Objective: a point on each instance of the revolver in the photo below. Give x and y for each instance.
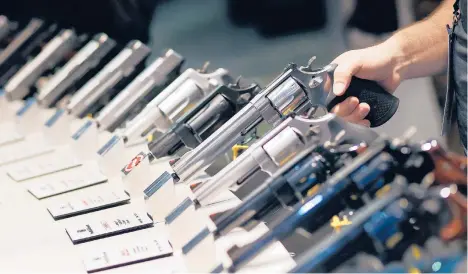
(279, 146)
(291, 184)
(288, 186)
(352, 186)
(294, 91)
(26, 43)
(83, 63)
(385, 227)
(103, 85)
(142, 89)
(204, 119)
(174, 101)
(56, 50)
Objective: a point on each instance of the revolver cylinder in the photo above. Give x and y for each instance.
(178, 98)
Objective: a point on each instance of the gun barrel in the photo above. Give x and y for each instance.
(20, 41)
(152, 116)
(156, 74)
(118, 68)
(268, 154)
(55, 50)
(309, 210)
(330, 246)
(231, 133)
(195, 126)
(85, 59)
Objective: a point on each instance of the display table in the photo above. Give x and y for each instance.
(32, 241)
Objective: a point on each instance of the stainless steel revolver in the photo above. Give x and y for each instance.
(182, 95)
(81, 64)
(120, 68)
(19, 86)
(142, 89)
(282, 144)
(27, 43)
(296, 90)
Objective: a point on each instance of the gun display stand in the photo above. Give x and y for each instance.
(46, 246)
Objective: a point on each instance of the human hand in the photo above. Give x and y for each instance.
(377, 63)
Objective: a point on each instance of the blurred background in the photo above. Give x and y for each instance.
(258, 38)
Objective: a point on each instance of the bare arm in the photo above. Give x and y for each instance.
(415, 51)
(423, 45)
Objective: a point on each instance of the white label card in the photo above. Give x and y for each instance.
(80, 178)
(22, 150)
(88, 203)
(127, 254)
(108, 227)
(50, 165)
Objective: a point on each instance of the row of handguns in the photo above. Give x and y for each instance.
(312, 164)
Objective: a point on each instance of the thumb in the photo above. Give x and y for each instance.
(343, 75)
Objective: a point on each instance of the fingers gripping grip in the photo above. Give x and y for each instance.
(383, 105)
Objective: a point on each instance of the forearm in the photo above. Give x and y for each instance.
(421, 49)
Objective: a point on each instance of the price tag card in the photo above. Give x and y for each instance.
(76, 179)
(127, 254)
(10, 136)
(55, 163)
(89, 203)
(22, 150)
(107, 227)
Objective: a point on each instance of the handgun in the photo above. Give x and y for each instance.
(204, 119)
(288, 186)
(26, 43)
(140, 91)
(279, 146)
(351, 186)
(291, 184)
(295, 90)
(276, 149)
(101, 86)
(75, 70)
(174, 101)
(21, 83)
(386, 227)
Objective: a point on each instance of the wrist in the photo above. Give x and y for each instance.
(400, 60)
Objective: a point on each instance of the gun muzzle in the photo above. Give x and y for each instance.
(122, 66)
(84, 60)
(24, 46)
(155, 75)
(173, 102)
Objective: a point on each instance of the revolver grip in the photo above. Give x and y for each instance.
(383, 105)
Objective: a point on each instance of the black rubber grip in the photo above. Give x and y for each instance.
(383, 105)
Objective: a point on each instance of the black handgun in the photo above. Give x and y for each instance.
(205, 118)
(291, 184)
(350, 187)
(386, 227)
